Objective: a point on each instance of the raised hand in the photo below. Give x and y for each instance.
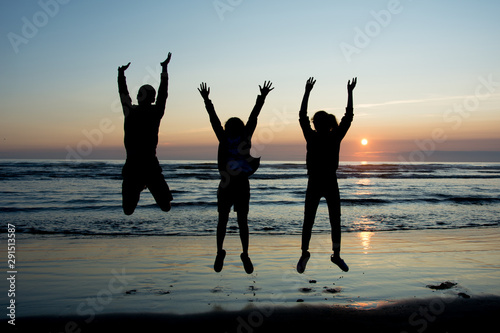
(122, 69)
(266, 89)
(351, 85)
(204, 90)
(310, 84)
(165, 63)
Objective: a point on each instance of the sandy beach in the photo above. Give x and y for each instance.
(413, 281)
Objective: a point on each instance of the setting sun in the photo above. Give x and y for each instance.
(364, 142)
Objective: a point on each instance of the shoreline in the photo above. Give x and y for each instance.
(170, 279)
(232, 231)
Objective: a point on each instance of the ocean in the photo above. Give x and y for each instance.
(83, 199)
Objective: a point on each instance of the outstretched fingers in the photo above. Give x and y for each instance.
(352, 84)
(203, 87)
(267, 88)
(310, 83)
(204, 90)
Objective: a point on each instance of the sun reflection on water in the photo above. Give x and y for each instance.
(368, 305)
(363, 184)
(365, 237)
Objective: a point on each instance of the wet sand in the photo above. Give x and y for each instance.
(423, 315)
(432, 281)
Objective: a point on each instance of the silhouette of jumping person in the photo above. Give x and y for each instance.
(235, 165)
(322, 160)
(142, 169)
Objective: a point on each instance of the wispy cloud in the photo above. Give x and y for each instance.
(415, 101)
(408, 101)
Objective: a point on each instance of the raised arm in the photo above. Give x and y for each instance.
(305, 100)
(345, 123)
(305, 124)
(123, 91)
(350, 88)
(214, 119)
(161, 99)
(259, 103)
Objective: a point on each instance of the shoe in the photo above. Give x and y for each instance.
(339, 262)
(247, 263)
(301, 265)
(219, 261)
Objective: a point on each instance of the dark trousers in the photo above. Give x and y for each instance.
(318, 187)
(141, 174)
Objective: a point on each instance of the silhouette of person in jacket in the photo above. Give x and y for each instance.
(322, 160)
(142, 169)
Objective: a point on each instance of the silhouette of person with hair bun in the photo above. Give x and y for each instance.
(142, 169)
(322, 160)
(235, 165)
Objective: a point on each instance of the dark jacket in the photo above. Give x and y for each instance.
(142, 122)
(323, 149)
(233, 157)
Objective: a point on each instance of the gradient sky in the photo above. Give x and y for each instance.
(428, 75)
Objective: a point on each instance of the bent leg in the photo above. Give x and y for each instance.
(161, 192)
(131, 192)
